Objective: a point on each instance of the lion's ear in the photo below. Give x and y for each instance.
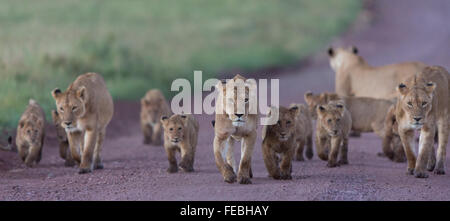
(430, 87)
(354, 50)
(82, 94)
(21, 124)
(402, 89)
(164, 120)
(308, 97)
(330, 52)
(340, 108)
(184, 119)
(56, 93)
(321, 110)
(294, 110)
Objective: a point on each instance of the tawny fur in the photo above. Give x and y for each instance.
(86, 108)
(423, 104)
(31, 134)
(180, 135)
(355, 77)
(64, 150)
(392, 144)
(303, 133)
(332, 130)
(281, 139)
(229, 128)
(153, 107)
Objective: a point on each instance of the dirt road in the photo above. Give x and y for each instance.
(401, 30)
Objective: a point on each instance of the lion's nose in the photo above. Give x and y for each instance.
(283, 134)
(68, 123)
(239, 115)
(417, 118)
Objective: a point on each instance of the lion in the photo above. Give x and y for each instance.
(85, 108)
(64, 150)
(234, 125)
(180, 134)
(332, 130)
(368, 115)
(303, 125)
(355, 77)
(392, 144)
(31, 134)
(280, 138)
(423, 104)
(8, 146)
(153, 107)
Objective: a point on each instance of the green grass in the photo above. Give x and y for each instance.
(137, 45)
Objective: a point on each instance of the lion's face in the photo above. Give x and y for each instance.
(152, 108)
(340, 57)
(71, 105)
(416, 102)
(331, 117)
(174, 128)
(285, 126)
(31, 130)
(314, 101)
(60, 132)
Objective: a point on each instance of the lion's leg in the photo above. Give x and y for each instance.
(343, 158)
(442, 146)
(431, 159)
(156, 136)
(335, 146)
(270, 161)
(64, 146)
(225, 169)
(173, 168)
(23, 151)
(309, 147)
(147, 131)
(407, 138)
(63, 150)
(230, 154)
(32, 156)
(426, 142)
(187, 158)
(39, 155)
(98, 148)
(321, 147)
(386, 144)
(247, 146)
(75, 143)
(299, 150)
(286, 164)
(90, 137)
(397, 147)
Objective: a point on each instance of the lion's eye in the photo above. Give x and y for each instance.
(288, 122)
(179, 128)
(329, 120)
(74, 108)
(61, 109)
(28, 131)
(171, 129)
(409, 104)
(339, 119)
(424, 104)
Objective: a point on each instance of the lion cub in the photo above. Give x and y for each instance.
(303, 132)
(180, 134)
(31, 134)
(280, 138)
(64, 150)
(153, 107)
(333, 127)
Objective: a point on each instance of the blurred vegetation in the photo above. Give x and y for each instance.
(137, 45)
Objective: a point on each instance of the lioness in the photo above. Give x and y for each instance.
(180, 134)
(280, 138)
(355, 77)
(64, 150)
(303, 132)
(332, 130)
(8, 146)
(153, 107)
(423, 104)
(85, 108)
(31, 133)
(230, 127)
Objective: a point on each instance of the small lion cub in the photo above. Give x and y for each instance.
(153, 107)
(332, 129)
(64, 150)
(31, 134)
(180, 134)
(303, 132)
(280, 139)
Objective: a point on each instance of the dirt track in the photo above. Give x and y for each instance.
(401, 30)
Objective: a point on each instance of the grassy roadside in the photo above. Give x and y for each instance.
(144, 44)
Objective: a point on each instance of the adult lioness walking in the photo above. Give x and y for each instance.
(423, 104)
(233, 127)
(86, 107)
